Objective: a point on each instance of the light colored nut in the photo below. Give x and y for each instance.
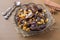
(29, 11)
(36, 12)
(25, 22)
(39, 22)
(22, 15)
(25, 12)
(28, 29)
(24, 28)
(21, 10)
(42, 20)
(44, 11)
(46, 20)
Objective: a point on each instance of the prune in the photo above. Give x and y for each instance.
(29, 25)
(34, 16)
(27, 19)
(34, 22)
(32, 27)
(42, 26)
(39, 10)
(22, 22)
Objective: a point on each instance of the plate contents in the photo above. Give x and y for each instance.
(31, 17)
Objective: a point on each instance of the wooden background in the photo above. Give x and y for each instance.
(8, 30)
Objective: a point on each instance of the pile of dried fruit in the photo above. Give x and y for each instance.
(31, 17)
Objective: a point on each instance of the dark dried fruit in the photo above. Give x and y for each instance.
(29, 25)
(39, 10)
(42, 26)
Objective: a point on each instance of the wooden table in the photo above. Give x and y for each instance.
(8, 30)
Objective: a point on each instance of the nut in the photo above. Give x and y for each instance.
(24, 28)
(21, 10)
(28, 29)
(42, 20)
(36, 12)
(25, 22)
(22, 16)
(44, 11)
(46, 20)
(39, 22)
(29, 11)
(25, 12)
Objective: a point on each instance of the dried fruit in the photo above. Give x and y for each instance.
(42, 26)
(32, 27)
(40, 10)
(29, 25)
